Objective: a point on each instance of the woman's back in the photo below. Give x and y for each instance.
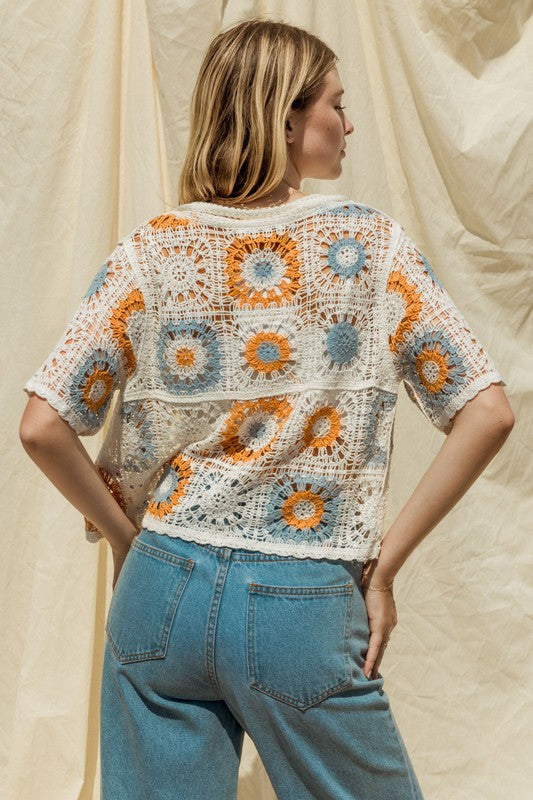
(258, 354)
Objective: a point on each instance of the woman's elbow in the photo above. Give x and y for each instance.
(491, 408)
(507, 420)
(500, 409)
(30, 434)
(38, 423)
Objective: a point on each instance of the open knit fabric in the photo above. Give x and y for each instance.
(256, 354)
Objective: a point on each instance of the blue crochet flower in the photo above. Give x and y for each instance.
(139, 445)
(349, 209)
(346, 257)
(189, 356)
(379, 410)
(168, 484)
(92, 387)
(342, 342)
(98, 281)
(303, 509)
(435, 369)
(429, 269)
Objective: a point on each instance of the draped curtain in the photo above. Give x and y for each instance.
(95, 102)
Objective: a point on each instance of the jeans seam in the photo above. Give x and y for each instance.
(416, 795)
(211, 627)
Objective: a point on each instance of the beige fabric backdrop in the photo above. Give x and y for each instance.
(95, 121)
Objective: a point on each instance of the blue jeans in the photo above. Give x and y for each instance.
(204, 643)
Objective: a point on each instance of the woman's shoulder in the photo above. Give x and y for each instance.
(360, 208)
(363, 215)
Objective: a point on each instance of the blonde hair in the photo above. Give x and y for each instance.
(251, 76)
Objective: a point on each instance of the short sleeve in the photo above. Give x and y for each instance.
(435, 352)
(97, 352)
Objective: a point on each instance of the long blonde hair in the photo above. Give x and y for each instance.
(251, 76)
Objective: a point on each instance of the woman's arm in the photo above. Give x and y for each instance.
(478, 431)
(56, 449)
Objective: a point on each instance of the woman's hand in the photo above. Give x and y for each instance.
(382, 617)
(120, 551)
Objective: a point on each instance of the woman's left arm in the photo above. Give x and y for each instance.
(58, 452)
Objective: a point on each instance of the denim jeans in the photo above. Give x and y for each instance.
(204, 643)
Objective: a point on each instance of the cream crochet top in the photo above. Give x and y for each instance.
(253, 357)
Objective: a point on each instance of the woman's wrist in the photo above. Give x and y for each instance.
(120, 541)
(386, 588)
(373, 576)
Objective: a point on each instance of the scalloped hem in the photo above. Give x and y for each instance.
(354, 553)
(462, 398)
(65, 412)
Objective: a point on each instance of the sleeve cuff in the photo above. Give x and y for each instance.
(467, 393)
(63, 409)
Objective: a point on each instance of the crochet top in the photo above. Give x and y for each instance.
(253, 357)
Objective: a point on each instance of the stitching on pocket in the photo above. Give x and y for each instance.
(162, 554)
(254, 592)
(126, 653)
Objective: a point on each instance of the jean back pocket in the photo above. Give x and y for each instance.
(144, 602)
(298, 641)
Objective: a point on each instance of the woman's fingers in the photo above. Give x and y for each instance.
(376, 649)
(382, 617)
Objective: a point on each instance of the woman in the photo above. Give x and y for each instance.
(257, 336)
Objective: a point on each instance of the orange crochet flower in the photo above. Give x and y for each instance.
(168, 221)
(314, 507)
(253, 427)
(397, 282)
(267, 351)
(119, 322)
(263, 270)
(172, 486)
(322, 428)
